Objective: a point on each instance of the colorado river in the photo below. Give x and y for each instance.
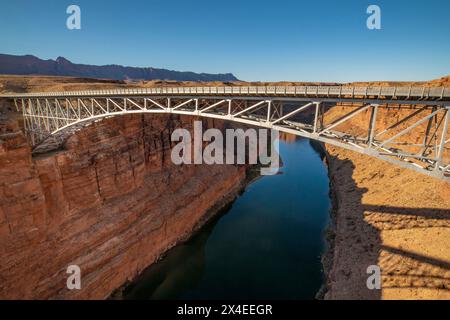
(267, 245)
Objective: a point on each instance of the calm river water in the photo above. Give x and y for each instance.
(267, 245)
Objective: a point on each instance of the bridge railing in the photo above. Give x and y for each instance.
(412, 92)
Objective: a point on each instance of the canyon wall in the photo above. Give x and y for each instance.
(111, 202)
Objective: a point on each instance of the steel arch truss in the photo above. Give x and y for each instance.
(416, 138)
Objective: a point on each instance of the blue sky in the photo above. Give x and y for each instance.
(256, 40)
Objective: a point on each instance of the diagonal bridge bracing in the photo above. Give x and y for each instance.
(411, 132)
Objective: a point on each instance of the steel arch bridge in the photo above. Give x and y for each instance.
(49, 118)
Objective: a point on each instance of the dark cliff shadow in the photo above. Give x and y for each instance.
(356, 242)
(168, 278)
(352, 244)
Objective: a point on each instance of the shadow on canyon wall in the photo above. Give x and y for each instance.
(165, 279)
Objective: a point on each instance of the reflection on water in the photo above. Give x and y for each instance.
(266, 246)
(287, 137)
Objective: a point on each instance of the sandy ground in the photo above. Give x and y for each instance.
(391, 217)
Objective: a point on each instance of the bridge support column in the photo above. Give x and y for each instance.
(373, 121)
(269, 105)
(426, 141)
(443, 138)
(316, 116)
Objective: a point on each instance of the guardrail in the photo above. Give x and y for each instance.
(435, 93)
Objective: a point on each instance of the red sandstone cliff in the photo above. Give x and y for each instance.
(112, 202)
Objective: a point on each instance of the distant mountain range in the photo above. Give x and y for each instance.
(31, 65)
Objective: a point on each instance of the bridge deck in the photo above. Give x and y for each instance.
(333, 92)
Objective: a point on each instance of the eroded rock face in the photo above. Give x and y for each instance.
(111, 203)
